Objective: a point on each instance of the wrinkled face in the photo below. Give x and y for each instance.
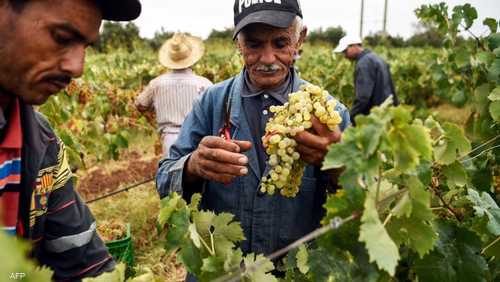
(42, 46)
(268, 53)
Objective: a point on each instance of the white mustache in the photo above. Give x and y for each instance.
(268, 68)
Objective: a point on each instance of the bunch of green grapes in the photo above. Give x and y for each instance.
(293, 117)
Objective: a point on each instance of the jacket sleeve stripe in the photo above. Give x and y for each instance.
(66, 243)
(62, 207)
(93, 266)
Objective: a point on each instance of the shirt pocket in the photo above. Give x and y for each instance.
(297, 216)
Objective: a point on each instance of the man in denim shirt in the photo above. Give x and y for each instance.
(228, 173)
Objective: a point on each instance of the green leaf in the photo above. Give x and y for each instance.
(168, 205)
(302, 257)
(14, 258)
(221, 227)
(261, 274)
(456, 176)
(381, 248)
(455, 258)
(327, 265)
(403, 206)
(190, 257)
(484, 205)
(494, 41)
(495, 94)
(481, 101)
(193, 234)
(495, 110)
(178, 230)
(452, 146)
(491, 23)
(462, 58)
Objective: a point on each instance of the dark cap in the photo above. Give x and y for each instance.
(120, 10)
(278, 13)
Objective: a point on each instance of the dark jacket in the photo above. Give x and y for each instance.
(373, 84)
(51, 213)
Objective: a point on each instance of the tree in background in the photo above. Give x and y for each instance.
(116, 35)
(159, 38)
(330, 35)
(225, 34)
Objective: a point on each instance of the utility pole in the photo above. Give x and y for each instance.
(361, 20)
(384, 29)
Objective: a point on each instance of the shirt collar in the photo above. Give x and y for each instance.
(183, 71)
(13, 138)
(280, 92)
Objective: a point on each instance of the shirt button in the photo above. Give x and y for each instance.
(266, 96)
(265, 112)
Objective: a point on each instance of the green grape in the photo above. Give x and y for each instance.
(290, 119)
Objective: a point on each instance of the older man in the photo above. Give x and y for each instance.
(228, 172)
(42, 47)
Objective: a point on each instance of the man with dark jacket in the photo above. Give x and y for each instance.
(372, 77)
(42, 47)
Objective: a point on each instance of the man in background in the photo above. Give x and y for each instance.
(372, 77)
(42, 47)
(172, 95)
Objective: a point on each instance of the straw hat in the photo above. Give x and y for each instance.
(181, 51)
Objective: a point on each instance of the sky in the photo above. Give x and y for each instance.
(199, 17)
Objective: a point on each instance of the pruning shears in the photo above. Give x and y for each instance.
(225, 131)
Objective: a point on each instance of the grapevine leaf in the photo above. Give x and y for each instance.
(329, 266)
(462, 58)
(212, 265)
(417, 231)
(178, 230)
(190, 257)
(481, 101)
(453, 145)
(491, 23)
(14, 256)
(193, 234)
(495, 94)
(494, 71)
(455, 258)
(225, 232)
(456, 176)
(233, 260)
(380, 246)
(260, 273)
(495, 110)
(408, 143)
(484, 205)
(302, 257)
(195, 202)
(168, 205)
(493, 250)
(403, 206)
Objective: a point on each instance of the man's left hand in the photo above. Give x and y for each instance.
(313, 145)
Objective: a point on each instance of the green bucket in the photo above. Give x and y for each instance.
(122, 249)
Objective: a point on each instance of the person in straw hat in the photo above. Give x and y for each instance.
(172, 94)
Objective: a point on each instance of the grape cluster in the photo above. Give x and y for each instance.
(287, 168)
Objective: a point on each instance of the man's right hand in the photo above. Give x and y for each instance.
(217, 159)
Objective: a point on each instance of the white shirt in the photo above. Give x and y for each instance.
(172, 96)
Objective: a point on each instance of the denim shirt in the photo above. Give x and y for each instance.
(268, 222)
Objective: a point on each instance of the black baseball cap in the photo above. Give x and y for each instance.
(278, 13)
(120, 10)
